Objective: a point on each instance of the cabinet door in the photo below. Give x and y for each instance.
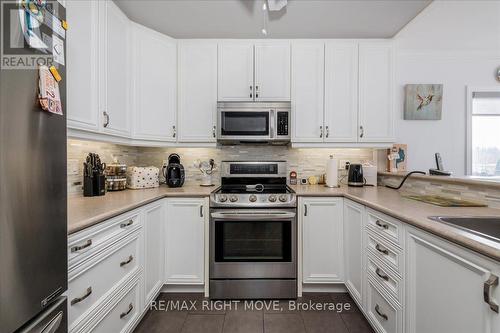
(272, 71)
(307, 91)
(322, 250)
(444, 287)
(197, 91)
(235, 67)
(376, 96)
(353, 249)
(154, 250)
(155, 85)
(341, 91)
(115, 70)
(82, 43)
(185, 241)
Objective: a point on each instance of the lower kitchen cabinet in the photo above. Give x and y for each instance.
(321, 220)
(185, 240)
(353, 249)
(445, 286)
(154, 254)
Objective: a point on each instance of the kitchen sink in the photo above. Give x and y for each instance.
(484, 226)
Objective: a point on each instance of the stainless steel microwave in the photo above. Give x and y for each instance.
(253, 122)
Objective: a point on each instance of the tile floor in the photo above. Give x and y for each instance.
(238, 319)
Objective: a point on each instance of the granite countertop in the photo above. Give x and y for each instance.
(464, 180)
(84, 212)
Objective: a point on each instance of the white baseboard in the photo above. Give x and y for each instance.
(324, 288)
(182, 288)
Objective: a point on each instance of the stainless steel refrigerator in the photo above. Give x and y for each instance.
(33, 208)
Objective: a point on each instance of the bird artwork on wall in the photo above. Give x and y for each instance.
(423, 101)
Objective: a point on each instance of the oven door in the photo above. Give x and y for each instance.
(245, 125)
(253, 244)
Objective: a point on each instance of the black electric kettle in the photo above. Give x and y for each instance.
(174, 172)
(355, 176)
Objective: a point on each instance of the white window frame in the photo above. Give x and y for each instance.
(470, 93)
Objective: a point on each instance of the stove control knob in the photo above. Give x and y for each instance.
(272, 198)
(252, 198)
(223, 198)
(283, 198)
(233, 198)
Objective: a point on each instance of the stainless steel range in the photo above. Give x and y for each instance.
(253, 233)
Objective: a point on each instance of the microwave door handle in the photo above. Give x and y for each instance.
(272, 123)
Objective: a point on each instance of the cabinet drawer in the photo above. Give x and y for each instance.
(384, 314)
(83, 244)
(385, 225)
(385, 277)
(91, 281)
(123, 315)
(384, 251)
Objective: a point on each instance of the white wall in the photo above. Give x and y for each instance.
(456, 43)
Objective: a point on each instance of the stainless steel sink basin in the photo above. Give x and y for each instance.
(484, 226)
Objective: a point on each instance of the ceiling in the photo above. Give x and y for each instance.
(299, 19)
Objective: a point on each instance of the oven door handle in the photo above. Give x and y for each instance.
(255, 216)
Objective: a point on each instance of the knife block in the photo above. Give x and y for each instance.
(94, 186)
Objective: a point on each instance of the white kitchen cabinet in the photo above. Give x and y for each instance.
(197, 83)
(341, 91)
(272, 71)
(81, 63)
(376, 92)
(322, 237)
(185, 240)
(235, 71)
(444, 287)
(307, 91)
(154, 85)
(153, 217)
(114, 67)
(353, 249)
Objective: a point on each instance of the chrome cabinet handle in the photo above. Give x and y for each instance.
(381, 250)
(361, 131)
(126, 313)
(81, 298)
(127, 224)
(381, 225)
(382, 315)
(174, 134)
(321, 131)
(382, 276)
(256, 91)
(305, 209)
(126, 262)
(106, 117)
(214, 129)
(201, 211)
(327, 131)
(81, 247)
(251, 89)
(491, 282)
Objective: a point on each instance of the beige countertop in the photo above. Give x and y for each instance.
(464, 180)
(84, 212)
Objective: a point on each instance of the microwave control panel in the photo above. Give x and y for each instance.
(282, 123)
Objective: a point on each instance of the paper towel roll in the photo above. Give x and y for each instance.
(332, 172)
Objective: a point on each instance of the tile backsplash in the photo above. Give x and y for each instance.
(305, 161)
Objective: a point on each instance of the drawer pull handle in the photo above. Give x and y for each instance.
(381, 250)
(381, 225)
(126, 262)
(491, 282)
(81, 247)
(382, 276)
(126, 313)
(126, 224)
(79, 299)
(382, 315)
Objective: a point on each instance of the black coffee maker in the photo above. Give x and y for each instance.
(174, 174)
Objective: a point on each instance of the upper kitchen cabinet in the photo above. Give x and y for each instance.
(154, 85)
(341, 91)
(197, 96)
(253, 72)
(272, 71)
(376, 92)
(235, 67)
(82, 90)
(307, 91)
(114, 69)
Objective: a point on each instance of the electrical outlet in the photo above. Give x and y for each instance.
(73, 167)
(343, 164)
